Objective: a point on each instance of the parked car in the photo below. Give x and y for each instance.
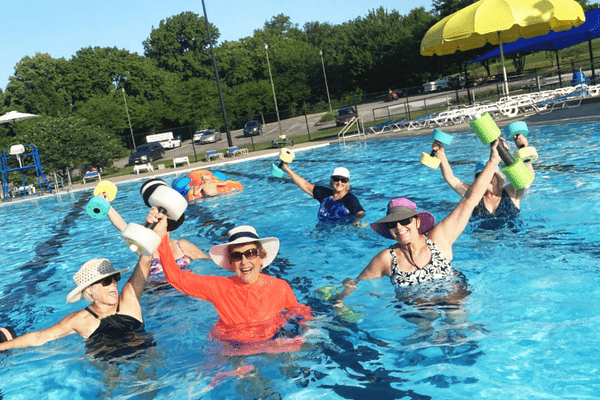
(146, 153)
(252, 128)
(171, 143)
(207, 136)
(344, 115)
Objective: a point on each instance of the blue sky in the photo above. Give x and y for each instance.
(61, 28)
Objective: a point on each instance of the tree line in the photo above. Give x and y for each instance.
(82, 100)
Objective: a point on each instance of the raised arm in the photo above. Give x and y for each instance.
(520, 141)
(456, 184)
(192, 251)
(116, 219)
(446, 232)
(302, 183)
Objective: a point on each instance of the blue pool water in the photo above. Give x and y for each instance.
(527, 330)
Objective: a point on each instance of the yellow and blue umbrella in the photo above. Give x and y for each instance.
(497, 22)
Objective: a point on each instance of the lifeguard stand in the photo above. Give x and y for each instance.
(23, 154)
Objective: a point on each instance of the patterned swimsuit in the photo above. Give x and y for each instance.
(437, 268)
(506, 208)
(156, 270)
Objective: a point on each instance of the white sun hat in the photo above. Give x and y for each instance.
(240, 235)
(91, 272)
(341, 171)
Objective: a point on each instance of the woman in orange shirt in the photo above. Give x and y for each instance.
(252, 306)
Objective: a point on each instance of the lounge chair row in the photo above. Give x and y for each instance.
(508, 107)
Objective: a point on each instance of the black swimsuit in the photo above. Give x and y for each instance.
(118, 335)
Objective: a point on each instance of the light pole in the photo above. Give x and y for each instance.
(212, 53)
(326, 87)
(273, 87)
(128, 119)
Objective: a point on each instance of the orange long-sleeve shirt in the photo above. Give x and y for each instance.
(247, 313)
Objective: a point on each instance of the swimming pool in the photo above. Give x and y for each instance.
(528, 328)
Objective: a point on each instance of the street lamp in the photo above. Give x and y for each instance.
(326, 87)
(273, 87)
(212, 53)
(128, 119)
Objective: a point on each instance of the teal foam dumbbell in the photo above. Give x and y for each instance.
(430, 160)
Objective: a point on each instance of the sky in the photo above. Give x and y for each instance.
(61, 28)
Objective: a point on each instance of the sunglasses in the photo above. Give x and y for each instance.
(403, 222)
(109, 280)
(251, 254)
(340, 179)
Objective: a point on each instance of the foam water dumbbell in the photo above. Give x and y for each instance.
(526, 153)
(430, 160)
(156, 193)
(516, 171)
(99, 205)
(285, 156)
(327, 293)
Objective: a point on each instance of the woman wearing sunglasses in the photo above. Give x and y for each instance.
(337, 203)
(252, 306)
(111, 318)
(423, 250)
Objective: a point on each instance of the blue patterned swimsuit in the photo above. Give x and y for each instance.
(506, 208)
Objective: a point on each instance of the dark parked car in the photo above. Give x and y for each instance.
(207, 136)
(252, 128)
(344, 115)
(146, 153)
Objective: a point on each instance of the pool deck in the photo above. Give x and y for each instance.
(589, 110)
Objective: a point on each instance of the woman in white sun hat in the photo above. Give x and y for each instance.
(109, 316)
(337, 203)
(252, 306)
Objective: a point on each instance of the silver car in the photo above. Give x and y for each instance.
(207, 136)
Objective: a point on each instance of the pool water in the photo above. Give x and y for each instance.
(527, 329)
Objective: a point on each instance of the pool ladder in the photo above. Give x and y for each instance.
(360, 130)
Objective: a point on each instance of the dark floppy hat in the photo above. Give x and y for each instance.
(399, 209)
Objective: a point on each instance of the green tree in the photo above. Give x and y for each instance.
(444, 8)
(39, 85)
(180, 44)
(71, 142)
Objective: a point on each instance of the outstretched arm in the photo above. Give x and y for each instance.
(302, 183)
(64, 327)
(378, 267)
(456, 184)
(446, 232)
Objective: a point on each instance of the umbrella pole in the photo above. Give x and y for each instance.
(503, 67)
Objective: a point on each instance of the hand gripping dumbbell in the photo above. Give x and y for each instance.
(516, 171)
(156, 193)
(99, 205)
(430, 160)
(526, 153)
(285, 156)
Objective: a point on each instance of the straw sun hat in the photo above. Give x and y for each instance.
(89, 273)
(399, 209)
(240, 235)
